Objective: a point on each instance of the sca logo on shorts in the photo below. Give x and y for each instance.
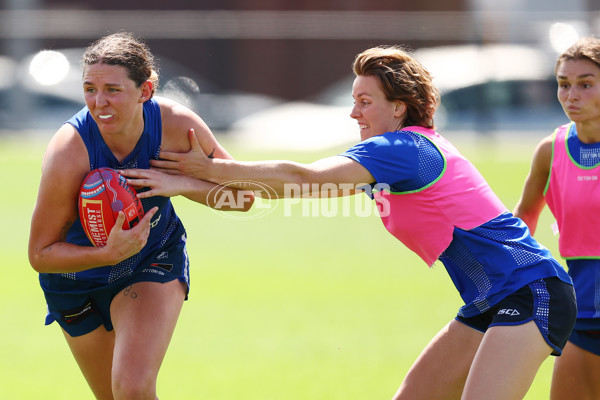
(509, 311)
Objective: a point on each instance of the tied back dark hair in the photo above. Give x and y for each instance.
(128, 51)
(403, 79)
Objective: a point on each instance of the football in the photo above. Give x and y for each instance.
(103, 193)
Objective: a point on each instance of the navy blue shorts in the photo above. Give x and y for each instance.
(549, 302)
(83, 310)
(587, 340)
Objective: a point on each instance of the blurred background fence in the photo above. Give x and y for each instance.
(287, 63)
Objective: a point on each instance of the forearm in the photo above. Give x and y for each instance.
(278, 178)
(63, 257)
(272, 177)
(286, 179)
(216, 196)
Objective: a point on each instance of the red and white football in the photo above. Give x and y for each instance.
(104, 192)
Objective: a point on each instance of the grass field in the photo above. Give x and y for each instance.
(281, 307)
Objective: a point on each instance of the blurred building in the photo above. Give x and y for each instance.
(290, 50)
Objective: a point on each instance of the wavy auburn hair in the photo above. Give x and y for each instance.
(403, 79)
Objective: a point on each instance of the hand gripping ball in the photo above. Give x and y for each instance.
(104, 192)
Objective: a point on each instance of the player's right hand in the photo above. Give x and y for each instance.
(122, 244)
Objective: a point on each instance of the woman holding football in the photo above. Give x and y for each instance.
(519, 302)
(564, 174)
(118, 304)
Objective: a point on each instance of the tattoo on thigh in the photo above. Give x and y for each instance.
(129, 292)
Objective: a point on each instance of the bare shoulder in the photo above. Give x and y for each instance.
(175, 115)
(542, 156)
(546, 144)
(177, 120)
(170, 109)
(66, 157)
(65, 164)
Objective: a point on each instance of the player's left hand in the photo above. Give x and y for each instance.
(193, 163)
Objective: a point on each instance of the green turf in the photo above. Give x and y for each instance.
(281, 307)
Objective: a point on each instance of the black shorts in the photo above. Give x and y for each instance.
(549, 302)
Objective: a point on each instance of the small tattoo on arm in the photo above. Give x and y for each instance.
(64, 230)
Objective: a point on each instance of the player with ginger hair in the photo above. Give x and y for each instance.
(519, 302)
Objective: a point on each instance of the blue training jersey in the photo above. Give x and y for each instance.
(167, 231)
(485, 263)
